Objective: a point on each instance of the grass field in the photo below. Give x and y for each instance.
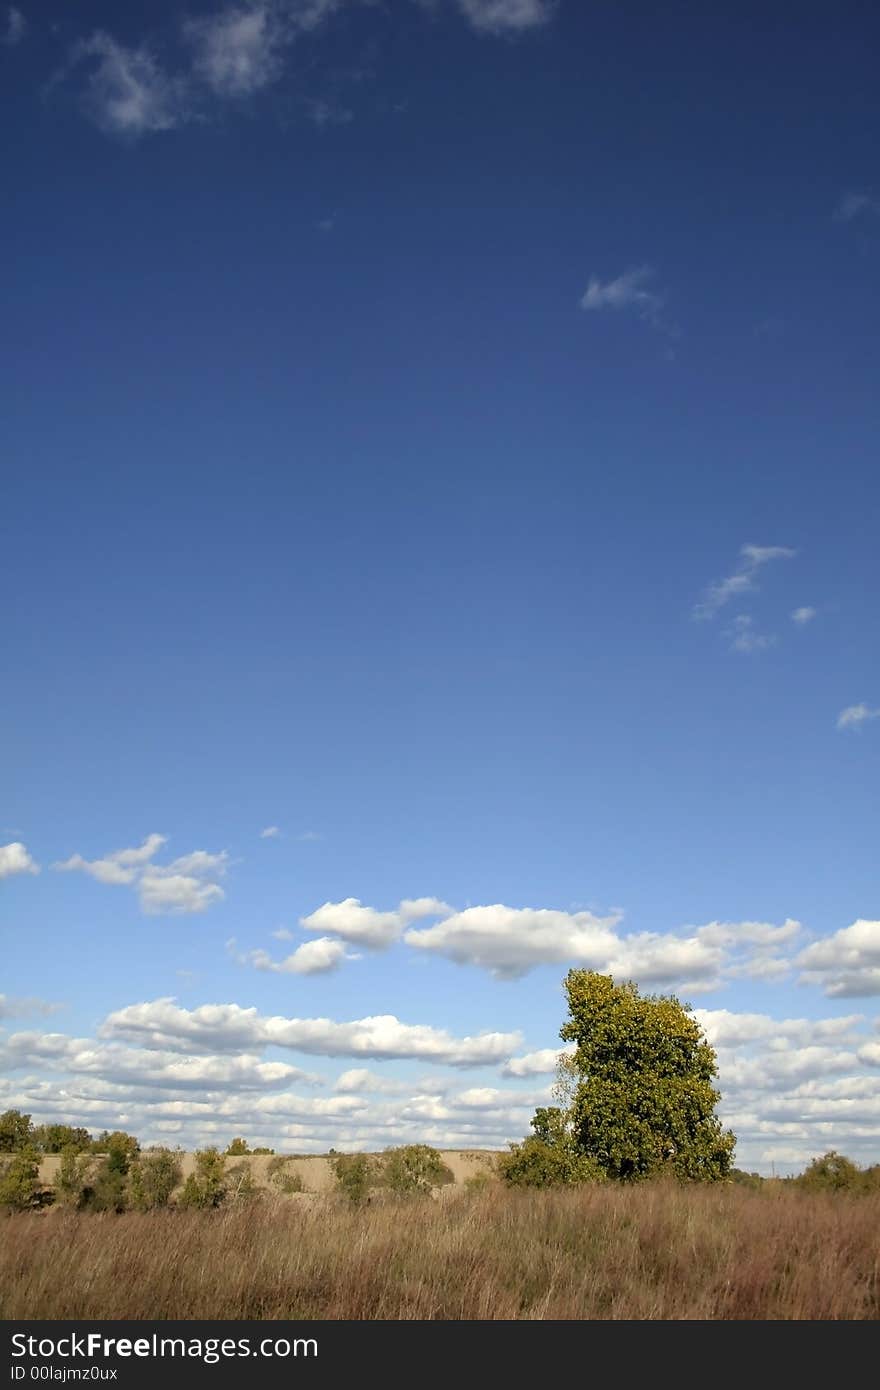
(600, 1252)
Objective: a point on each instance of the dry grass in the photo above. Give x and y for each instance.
(648, 1252)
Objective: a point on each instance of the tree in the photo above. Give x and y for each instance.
(550, 1157)
(644, 1103)
(414, 1169)
(833, 1172)
(20, 1179)
(206, 1184)
(237, 1147)
(54, 1139)
(72, 1179)
(152, 1177)
(354, 1175)
(16, 1131)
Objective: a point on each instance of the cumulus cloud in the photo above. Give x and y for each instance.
(854, 716)
(540, 1063)
(847, 963)
(752, 559)
(311, 958)
(227, 1027)
(508, 942)
(506, 16)
(802, 616)
(365, 926)
(15, 859)
(186, 885)
(16, 26)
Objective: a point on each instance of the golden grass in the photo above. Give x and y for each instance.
(604, 1252)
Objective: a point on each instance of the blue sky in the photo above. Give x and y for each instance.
(444, 434)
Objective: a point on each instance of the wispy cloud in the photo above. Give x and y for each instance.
(127, 91)
(11, 1007)
(324, 112)
(854, 716)
(853, 205)
(186, 885)
(627, 291)
(802, 616)
(506, 16)
(271, 832)
(752, 558)
(744, 638)
(239, 50)
(16, 26)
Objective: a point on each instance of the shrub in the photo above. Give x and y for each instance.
(20, 1180)
(283, 1178)
(355, 1175)
(72, 1179)
(237, 1147)
(240, 1185)
(538, 1163)
(206, 1185)
(152, 1178)
(414, 1170)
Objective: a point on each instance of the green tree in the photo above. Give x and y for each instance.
(206, 1184)
(833, 1172)
(550, 1157)
(72, 1179)
(237, 1147)
(645, 1102)
(16, 1131)
(20, 1180)
(152, 1177)
(54, 1139)
(414, 1169)
(355, 1175)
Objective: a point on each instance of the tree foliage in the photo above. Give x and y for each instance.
(550, 1157)
(152, 1177)
(644, 1103)
(20, 1180)
(206, 1184)
(16, 1131)
(237, 1147)
(355, 1175)
(55, 1139)
(414, 1170)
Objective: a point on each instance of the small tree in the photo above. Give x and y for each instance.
(412, 1171)
(354, 1175)
(550, 1157)
(237, 1147)
(206, 1185)
(16, 1131)
(152, 1177)
(72, 1179)
(20, 1180)
(644, 1101)
(54, 1139)
(833, 1172)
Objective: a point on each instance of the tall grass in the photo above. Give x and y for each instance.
(602, 1252)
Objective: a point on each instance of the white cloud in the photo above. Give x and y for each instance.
(238, 50)
(163, 1024)
(283, 934)
(15, 859)
(270, 833)
(744, 638)
(366, 926)
(626, 292)
(11, 1007)
(311, 958)
(852, 205)
(854, 716)
(751, 559)
(802, 616)
(540, 1063)
(847, 963)
(127, 92)
(506, 16)
(186, 885)
(309, 836)
(16, 26)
